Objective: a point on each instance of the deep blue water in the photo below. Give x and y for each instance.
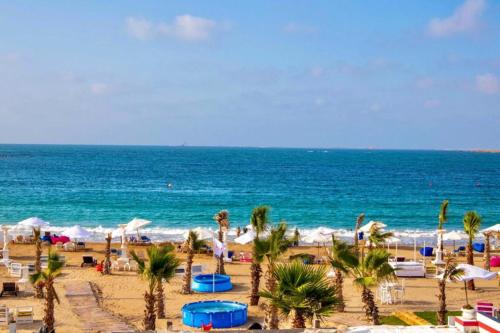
(106, 185)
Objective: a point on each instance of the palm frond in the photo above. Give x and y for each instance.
(443, 214)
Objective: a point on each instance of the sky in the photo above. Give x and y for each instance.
(414, 74)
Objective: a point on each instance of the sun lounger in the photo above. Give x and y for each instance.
(485, 307)
(478, 247)
(426, 251)
(15, 269)
(195, 269)
(88, 261)
(24, 315)
(9, 288)
(408, 269)
(4, 315)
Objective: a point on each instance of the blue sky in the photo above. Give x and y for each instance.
(383, 74)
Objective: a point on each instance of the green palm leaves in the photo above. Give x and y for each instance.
(443, 214)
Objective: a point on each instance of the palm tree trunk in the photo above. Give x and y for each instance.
(371, 308)
(255, 273)
(339, 290)
(470, 261)
(38, 263)
(48, 318)
(271, 320)
(160, 300)
(298, 320)
(441, 314)
(186, 287)
(359, 220)
(149, 311)
(107, 259)
(220, 261)
(487, 252)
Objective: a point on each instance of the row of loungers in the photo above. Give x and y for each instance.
(21, 314)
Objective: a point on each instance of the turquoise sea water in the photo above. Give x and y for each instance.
(107, 185)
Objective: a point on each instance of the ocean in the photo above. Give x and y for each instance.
(107, 185)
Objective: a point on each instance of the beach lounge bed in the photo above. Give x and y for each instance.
(426, 251)
(408, 269)
(24, 315)
(88, 261)
(9, 288)
(4, 315)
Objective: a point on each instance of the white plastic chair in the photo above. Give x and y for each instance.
(24, 315)
(15, 269)
(399, 291)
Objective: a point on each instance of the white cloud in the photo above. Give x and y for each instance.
(99, 88)
(293, 27)
(432, 103)
(184, 27)
(488, 83)
(465, 18)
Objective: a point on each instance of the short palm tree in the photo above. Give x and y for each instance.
(161, 265)
(451, 273)
(222, 219)
(194, 244)
(271, 249)
(472, 222)
(46, 278)
(337, 250)
(367, 273)
(359, 221)
(37, 233)
(302, 292)
(259, 221)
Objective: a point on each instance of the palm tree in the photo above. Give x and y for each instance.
(451, 273)
(47, 278)
(194, 244)
(222, 219)
(443, 217)
(271, 249)
(378, 236)
(161, 264)
(37, 233)
(107, 257)
(359, 221)
(472, 222)
(302, 292)
(339, 247)
(259, 221)
(487, 250)
(367, 273)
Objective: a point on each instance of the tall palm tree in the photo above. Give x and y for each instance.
(487, 250)
(222, 219)
(378, 237)
(302, 292)
(259, 221)
(271, 249)
(451, 273)
(359, 221)
(443, 217)
(161, 264)
(337, 250)
(46, 278)
(367, 273)
(107, 256)
(472, 222)
(37, 233)
(194, 244)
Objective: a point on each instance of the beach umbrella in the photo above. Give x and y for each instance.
(369, 225)
(33, 222)
(493, 228)
(135, 224)
(246, 238)
(203, 233)
(77, 232)
(453, 236)
(317, 236)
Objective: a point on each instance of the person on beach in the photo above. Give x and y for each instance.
(238, 232)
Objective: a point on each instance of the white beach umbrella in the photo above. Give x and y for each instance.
(369, 225)
(33, 222)
(136, 224)
(203, 233)
(493, 228)
(77, 232)
(318, 237)
(453, 236)
(246, 238)
(472, 272)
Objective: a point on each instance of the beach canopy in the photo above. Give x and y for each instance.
(317, 237)
(136, 224)
(367, 227)
(77, 232)
(203, 233)
(453, 235)
(494, 228)
(33, 222)
(246, 238)
(473, 272)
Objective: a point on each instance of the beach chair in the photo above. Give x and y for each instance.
(385, 294)
(4, 315)
(399, 291)
(9, 288)
(69, 247)
(80, 246)
(15, 269)
(460, 251)
(24, 315)
(120, 264)
(245, 257)
(88, 261)
(426, 251)
(478, 247)
(485, 307)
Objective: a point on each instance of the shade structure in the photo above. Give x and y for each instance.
(135, 224)
(471, 272)
(202, 233)
(33, 222)
(493, 228)
(77, 232)
(369, 225)
(453, 235)
(317, 237)
(246, 238)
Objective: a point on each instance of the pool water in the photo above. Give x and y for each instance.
(209, 283)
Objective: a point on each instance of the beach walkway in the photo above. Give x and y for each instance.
(84, 304)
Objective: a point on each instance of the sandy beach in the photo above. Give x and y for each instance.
(121, 293)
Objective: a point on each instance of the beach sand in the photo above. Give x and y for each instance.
(122, 292)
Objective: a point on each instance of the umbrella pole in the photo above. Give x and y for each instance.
(414, 248)
(466, 293)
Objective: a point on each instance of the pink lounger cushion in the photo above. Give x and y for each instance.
(495, 261)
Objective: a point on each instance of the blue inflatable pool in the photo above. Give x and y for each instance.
(222, 314)
(210, 283)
